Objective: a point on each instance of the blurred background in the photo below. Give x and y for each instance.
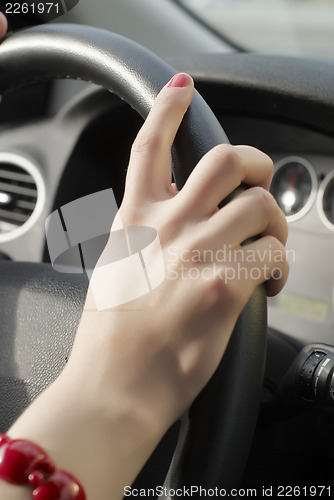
(295, 27)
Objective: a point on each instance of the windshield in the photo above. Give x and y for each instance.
(290, 27)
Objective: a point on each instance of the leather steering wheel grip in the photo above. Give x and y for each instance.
(120, 65)
(215, 441)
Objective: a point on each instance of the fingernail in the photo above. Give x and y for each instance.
(179, 80)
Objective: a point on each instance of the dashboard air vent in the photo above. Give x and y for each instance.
(19, 192)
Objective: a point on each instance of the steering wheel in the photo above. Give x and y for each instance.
(40, 308)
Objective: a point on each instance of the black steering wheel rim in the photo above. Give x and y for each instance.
(214, 445)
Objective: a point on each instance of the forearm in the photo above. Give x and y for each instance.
(103, 447)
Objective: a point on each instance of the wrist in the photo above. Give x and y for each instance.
(82, 434)
(134, 373)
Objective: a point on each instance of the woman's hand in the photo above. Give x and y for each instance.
(163, 347)
(136, 367)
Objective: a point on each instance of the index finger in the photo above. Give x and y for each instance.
(149, 170)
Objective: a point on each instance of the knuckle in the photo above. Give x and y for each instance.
(146, 143)
(277, 251)
(215, 291)
(226, 154)
(259, 156)
(223, 290)
(265, 199)
(272, 212)
(263, 157)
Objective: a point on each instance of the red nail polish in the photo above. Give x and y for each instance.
(179, 80)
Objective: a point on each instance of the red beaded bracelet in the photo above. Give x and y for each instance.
(26, 464)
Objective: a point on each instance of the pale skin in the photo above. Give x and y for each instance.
(150, 358)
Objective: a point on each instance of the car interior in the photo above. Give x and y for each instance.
(75, 93)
